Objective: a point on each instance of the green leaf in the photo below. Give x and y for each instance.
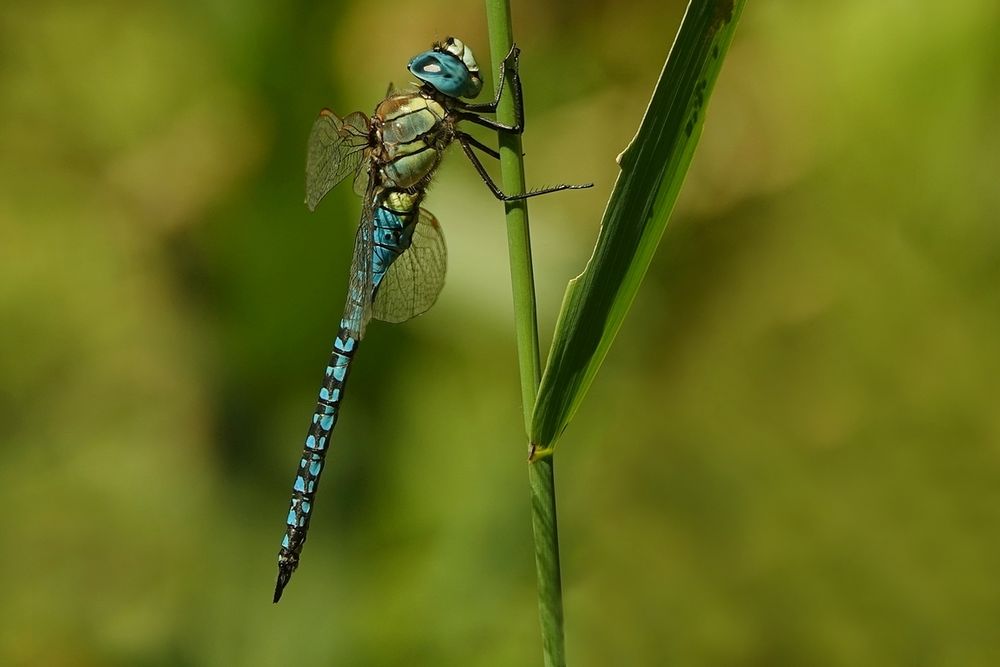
(653, 167)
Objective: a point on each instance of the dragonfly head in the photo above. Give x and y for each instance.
(450, 68)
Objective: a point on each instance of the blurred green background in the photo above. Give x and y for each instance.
(791, 456)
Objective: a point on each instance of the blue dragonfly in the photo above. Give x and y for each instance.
(399, 261)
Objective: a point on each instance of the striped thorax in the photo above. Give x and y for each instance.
(411, 133)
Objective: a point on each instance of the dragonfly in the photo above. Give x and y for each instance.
(399, 261)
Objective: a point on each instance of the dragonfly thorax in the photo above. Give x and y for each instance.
(411, 133)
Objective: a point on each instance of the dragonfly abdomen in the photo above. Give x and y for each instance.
(392, 233)
(314, 455)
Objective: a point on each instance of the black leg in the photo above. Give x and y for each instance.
(470, 112)
(509, 62)
(483, 174)
(462, 136)
(517, 128)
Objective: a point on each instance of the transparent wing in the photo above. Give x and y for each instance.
(336, 149)
(361, 183)
(412, 283)
(358, 311)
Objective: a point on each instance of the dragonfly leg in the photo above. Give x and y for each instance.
(478, 144)
(468, 145)
(470, 112)
(510, 62)
(517, 128)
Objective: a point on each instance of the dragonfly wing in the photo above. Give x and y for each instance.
(361, 183)
(336, 149)
(362, 284)
(412, 283)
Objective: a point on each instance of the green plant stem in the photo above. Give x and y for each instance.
(518, 238)
(546, 530)
(541, 480)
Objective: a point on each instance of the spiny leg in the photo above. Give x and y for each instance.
(467, 146)
(470, 112)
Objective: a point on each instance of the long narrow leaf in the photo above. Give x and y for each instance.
(652, 171)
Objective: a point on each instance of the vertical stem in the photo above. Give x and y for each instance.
(541, 479)
(540, 472)
(518, 237)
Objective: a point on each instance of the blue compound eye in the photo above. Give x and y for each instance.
(446, 73)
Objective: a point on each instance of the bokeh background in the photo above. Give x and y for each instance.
(790, 457)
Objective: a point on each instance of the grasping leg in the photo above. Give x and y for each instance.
(510, 62)
(467, 145)
(470, 112)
